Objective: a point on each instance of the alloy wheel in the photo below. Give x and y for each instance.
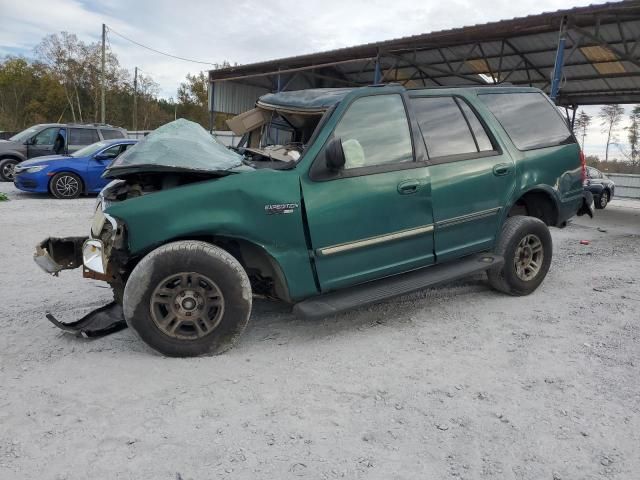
(8, 171)
(528, 258)
(67, 186)
(187, 305)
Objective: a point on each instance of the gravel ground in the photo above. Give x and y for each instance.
(455, 382)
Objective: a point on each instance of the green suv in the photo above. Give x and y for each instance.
(335, 198)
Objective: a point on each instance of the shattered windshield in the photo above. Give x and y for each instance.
(179, 145)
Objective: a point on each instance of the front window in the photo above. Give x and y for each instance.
(375, 131)
(46, 136)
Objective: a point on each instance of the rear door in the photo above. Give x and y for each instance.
(373, 218)
(81, 137)
(471, 177)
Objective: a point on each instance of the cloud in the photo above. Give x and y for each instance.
(246, 31)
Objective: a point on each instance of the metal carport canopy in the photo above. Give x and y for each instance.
(598, 60)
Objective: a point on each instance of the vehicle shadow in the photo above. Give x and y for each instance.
(275, 321)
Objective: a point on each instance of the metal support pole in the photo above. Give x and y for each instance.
(557, 69)
(211, 107)
(377, 73)
(135, 100)
(102, 83)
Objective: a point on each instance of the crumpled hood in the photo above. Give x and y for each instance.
(178, 146)
(42, 160)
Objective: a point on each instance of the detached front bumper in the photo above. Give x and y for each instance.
(56, 254)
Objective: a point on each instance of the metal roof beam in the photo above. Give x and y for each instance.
(603, 43)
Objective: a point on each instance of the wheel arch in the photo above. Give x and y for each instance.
(264, 271)
(11, 156)
(538, 202)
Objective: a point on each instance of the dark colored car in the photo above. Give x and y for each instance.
(51, 139)
(69, 176)
(600, 186)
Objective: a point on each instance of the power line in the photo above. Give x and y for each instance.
(158, 51)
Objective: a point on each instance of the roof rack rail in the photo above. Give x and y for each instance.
(93, 124)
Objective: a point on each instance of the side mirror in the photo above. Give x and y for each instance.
(102, 157)
(334, 155)
(29, 142)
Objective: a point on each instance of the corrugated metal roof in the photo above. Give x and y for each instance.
(600, 48)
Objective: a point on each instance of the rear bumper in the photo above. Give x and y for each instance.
(586, 206)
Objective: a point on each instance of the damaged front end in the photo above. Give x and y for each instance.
(99, 261)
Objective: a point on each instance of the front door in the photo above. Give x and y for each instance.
(373, 218)
(43, 142)
(471, 177)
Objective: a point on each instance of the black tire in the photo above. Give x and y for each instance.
(209, 270)
(6, 169)
(517, 244)
(603, 200)
(65, 185)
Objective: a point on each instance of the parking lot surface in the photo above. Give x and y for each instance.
(453, 382)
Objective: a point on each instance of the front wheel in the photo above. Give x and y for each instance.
(188, 298)
(7, 169)
(525, 244)
(65, 185)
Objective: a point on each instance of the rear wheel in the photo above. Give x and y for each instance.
(525, 244)
(65, 185)
(7, 167)
(603, 200)
(188, 298)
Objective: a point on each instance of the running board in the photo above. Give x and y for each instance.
(389, 287)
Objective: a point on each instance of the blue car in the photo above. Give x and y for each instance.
(69, 176)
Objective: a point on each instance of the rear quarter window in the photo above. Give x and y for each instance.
(530, 120)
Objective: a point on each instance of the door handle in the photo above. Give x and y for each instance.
(408, 186)
(501, 169)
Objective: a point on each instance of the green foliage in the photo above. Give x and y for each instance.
(3, 197)
(633, 134)
(63, 84)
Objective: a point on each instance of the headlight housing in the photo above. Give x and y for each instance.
(35, 168)
(93, 256)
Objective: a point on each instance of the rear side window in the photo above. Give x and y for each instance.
(111, 134)
(530, 120)
(83, 136)
(450, 127)
(375, 131)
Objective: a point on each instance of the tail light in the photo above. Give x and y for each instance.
(583, 164)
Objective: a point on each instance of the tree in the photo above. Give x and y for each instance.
(582, 125)
(633, 131)
(610, 118)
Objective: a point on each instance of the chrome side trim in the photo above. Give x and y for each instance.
(467, 218)
(344, 247)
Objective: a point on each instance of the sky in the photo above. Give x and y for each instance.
(246, 31)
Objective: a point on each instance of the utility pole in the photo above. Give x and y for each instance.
(135, 100)
(104, 39)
